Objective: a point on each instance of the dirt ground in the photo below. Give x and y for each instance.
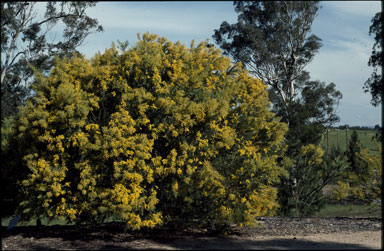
(276, 233)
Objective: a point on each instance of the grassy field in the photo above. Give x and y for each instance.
(346, 210)
(349, 211)
(338, 137)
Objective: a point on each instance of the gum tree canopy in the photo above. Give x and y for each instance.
(272, 39)
(151, 134)
(374, 84)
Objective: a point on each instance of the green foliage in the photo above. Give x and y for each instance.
(310, 173)
(272, 39)
(354, 149)
(10, 158)
(362, 182)
(151, 134)
(308, 115)
(374, 84)
(25, 42)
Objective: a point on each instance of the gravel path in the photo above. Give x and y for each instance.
(274, 226)
(276, 233)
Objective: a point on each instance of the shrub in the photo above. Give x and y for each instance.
(363, 181)
(310, 173)
(152, 134)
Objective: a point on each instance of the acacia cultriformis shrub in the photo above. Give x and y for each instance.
(150, 134)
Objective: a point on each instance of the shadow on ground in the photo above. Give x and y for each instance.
(112, 237)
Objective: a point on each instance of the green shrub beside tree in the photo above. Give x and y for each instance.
(362, 182)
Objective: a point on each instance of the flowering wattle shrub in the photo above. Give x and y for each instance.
(150, 134)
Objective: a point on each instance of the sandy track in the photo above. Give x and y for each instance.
(277, 233)
(338, 241)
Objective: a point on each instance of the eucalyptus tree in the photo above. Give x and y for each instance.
(273, 41)
(374, 84)
(28, 40)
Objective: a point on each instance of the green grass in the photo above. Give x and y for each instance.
(337, 210)
(338, 137)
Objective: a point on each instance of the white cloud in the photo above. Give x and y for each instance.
(343, 28)
(177, 21)
(354, 8)
(180, 17)
(348, 21)
(348, 69)
(142, 19)
(351, 48)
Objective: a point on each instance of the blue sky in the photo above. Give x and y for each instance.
(342, 25)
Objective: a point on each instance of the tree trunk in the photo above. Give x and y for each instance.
(3, 74)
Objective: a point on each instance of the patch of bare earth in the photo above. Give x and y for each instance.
(276, 233)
